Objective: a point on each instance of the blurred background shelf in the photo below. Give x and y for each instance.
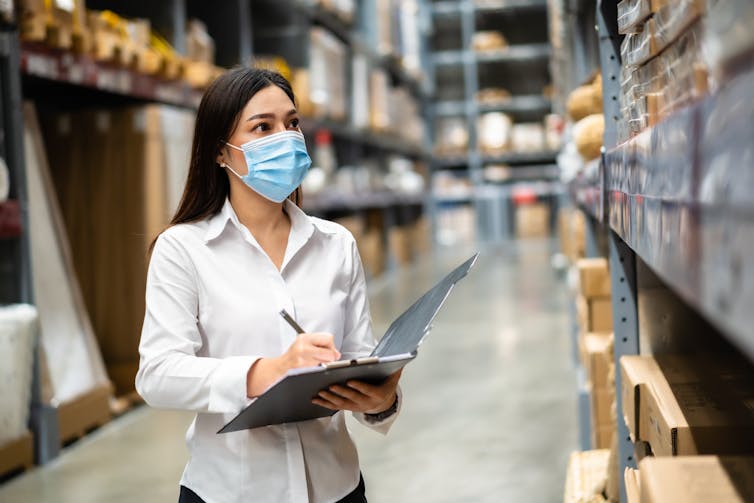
(382, 141)
(516, 53)
(328, 202)
(520, 158)
(65, 67)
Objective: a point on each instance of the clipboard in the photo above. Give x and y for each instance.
(289, 400)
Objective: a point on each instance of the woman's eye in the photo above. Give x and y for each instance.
(294, 123)
(261, 127)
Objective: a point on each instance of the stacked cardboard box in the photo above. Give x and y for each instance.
(598, 360)
(593, 304)
(533, 220)
(688, 405)
(58, 23)
(572, 233)
(696, 479)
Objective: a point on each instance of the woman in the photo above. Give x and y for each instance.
(238, 251)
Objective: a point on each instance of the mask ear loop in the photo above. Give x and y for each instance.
(226, 165)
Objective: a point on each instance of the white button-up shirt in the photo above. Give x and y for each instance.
(212, 309)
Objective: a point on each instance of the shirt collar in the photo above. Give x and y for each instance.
(302, 226)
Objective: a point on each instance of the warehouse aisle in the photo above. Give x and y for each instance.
(489, 415)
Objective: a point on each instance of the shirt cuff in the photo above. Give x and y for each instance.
(227, 392)
(384, 425)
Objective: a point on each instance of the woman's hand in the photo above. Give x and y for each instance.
(308, 350)
(359, 396)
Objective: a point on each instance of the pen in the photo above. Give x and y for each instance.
(287, 317)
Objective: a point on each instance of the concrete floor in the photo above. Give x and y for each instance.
(490, 411)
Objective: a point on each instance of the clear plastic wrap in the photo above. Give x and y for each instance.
(638, 48)
(632, 14)
(679, 75)
(669, 81)
(18, 335)
(673, 19)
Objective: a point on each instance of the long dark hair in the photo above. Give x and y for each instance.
(207, 185)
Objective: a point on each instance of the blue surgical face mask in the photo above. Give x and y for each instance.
(277, 164)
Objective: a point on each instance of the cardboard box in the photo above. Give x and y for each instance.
(697, 479)
(199, 45)
(594, 277)
(353, 224)
(636, 371)
(399, 239)
(698, 418)
(598, 358)
(632, 479)
(586, 476)
(602, 404)
(689, 405)
(533, 221)
(602, 435)
(421, 236)
(595, 315)
(372, 252)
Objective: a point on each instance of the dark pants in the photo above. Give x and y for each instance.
(356, 496)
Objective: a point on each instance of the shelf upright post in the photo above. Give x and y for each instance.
(622, 258)
(470, 80)
(425, 103)
(626, 333)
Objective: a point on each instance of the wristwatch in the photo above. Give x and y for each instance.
(381, 416)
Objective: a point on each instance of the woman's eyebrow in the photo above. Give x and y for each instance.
(270, 116)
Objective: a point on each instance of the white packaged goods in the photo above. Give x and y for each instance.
(494, 132)
(528, 137)
(327, 74)
(18, 333)
(360, 92)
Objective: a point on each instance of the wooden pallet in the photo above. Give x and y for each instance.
(17, 455)
(83, 414)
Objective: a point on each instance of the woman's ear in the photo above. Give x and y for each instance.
(220, 159)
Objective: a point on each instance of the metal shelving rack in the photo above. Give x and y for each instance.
(459, 72)
(674, 205)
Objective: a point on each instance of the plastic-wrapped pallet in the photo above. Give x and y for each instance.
(67, 339)
(18, 333)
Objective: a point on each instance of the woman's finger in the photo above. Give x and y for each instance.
(324, 403)
(366, 389)
(348, 393)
